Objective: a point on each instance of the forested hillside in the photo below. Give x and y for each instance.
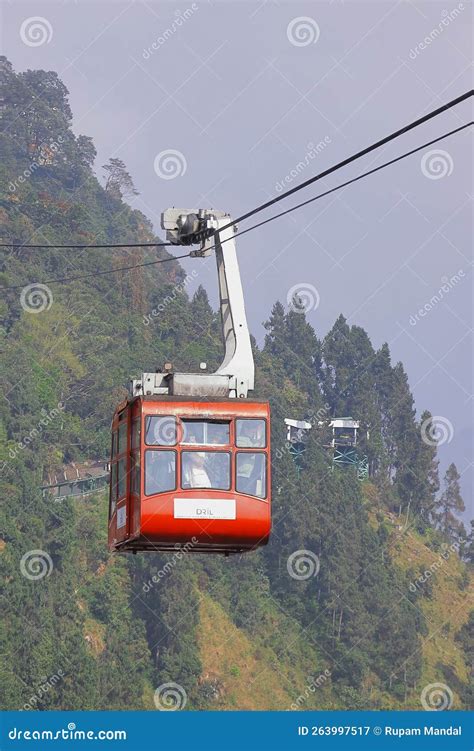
(97, 631)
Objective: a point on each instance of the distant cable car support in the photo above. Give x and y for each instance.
(344, 444)
(296, 436)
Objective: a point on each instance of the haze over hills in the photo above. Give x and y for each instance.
(370, 629)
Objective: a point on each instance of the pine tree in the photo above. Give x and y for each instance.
(450, 505)
(276, 327)
(468, 547)
(421, 481)
(404, 437)
(93, 613)
(338, 362)
(118, 181)
(86, 151)
(303, 352)
(382, 374)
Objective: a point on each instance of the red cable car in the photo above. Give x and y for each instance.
(190, 463)
(190, 473)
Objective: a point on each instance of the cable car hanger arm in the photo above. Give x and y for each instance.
(235, 375)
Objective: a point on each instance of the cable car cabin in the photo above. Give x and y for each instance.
(189, 471)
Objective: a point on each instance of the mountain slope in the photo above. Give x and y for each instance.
(98, 632)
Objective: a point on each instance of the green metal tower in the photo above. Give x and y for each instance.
(344, 442)
(296, 434)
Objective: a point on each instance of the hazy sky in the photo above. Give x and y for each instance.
(241, 93)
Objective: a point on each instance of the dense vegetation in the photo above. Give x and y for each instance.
(96, 632)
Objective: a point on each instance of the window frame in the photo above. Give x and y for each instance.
(252, 495)
(114, 446)
(161, 417)
(160, 449)
(122, 430)
(204, 421)
(123, 496)
(135, 472)
(248, 448)
(200, 451)
(113, 490)
(135, 433)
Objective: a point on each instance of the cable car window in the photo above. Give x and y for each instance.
(161, 431)
(113, 484)
(136, 473)
(121, 478)
(122, 438)
(205, 469)
(114, 443)
(250, 434)
(251, 473)
(135, 441)
(206, 432)
(160, 471)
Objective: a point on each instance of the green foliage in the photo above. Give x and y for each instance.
(108, 626)
(449, 505)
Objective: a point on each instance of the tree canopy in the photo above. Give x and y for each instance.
(102, 623)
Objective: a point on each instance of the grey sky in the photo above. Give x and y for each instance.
(245, 92)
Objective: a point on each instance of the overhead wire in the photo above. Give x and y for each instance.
(99, 273)
(396, 134)
(265, 221)
(84, 247)
(354, 179)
